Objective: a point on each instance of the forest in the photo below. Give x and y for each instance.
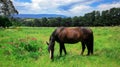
(95, 18)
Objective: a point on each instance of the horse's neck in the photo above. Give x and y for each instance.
(52, 41)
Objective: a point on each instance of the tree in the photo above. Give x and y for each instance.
(5, 22)
(53, 22)
(97, 19)
(37, 22)
(44, 21)
(7, 8)
(59, 20)
(76, 21)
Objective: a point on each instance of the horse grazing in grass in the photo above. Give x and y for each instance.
(71, 35)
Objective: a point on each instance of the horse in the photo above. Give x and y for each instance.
(71, 35)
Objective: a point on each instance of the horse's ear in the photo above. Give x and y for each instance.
(47, 43)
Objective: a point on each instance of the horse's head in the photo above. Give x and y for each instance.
(51, 47)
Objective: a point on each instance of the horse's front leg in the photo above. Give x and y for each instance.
(63, 46)
(60, 50)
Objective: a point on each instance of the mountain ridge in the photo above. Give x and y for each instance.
(38, 15)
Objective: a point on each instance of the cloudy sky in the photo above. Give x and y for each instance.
(63, 7)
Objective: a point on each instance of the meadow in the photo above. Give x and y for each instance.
(26, 47)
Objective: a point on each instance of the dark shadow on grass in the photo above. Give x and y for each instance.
(65, 57)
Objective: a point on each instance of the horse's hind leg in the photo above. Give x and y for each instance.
(83, 48)
(89, 48)
(91, 43)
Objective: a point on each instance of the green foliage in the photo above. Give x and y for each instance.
(23, 48)
(16, 22)
(7, 8)
(5, 22)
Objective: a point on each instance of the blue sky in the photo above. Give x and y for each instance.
(63, 7)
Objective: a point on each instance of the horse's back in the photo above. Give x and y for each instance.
(72, 34)
(72, 30)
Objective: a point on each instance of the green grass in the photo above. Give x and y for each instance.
(26, 47)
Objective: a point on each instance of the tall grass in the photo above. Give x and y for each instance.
(26, 47)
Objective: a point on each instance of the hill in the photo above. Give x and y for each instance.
(37, 15)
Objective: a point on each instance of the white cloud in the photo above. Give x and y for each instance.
(108, 6)
(80, 7)
(78, 10)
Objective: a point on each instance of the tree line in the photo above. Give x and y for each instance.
(95, 18)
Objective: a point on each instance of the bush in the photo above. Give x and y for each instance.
(5, 22)
(23, 49)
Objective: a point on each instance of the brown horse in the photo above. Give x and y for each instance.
(71, 35)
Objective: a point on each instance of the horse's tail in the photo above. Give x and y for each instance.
(92, 42)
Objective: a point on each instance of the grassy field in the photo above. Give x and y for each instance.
(26, 47)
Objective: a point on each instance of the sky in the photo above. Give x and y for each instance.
(63, 7)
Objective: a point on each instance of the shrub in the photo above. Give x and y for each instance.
(5, 22)
(23, 49)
